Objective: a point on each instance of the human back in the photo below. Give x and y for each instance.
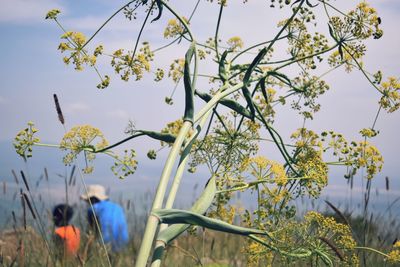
(112, 222)
(66, 235)
(108, 216)
(71, 237)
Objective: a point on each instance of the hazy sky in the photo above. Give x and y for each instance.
(32, 70)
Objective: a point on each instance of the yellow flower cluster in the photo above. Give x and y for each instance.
(105, 82)
(126, 165)
(24, 141)
(52, 14)
(309, 88)
(260, 163)
(368, 132)
(159, 75)
(347, 57)
(337, 143)
(394, 255)
(265, 105)
(252, 126)
(326, 240)
(276, 195)
(264, 169)
(306, 138)
(313, 170)
(327, 227)
(176, 69)
(360, 23)
(81, 138)
(309, 162)
(173, 127)
(257, 253)
(201, 53)
(235, 43)
(364, 21)
(331, 238)
(370, 158)
(127, 66)
(391, 94)
(226, 146)
(74, 44)
(356, 154)
(175, 28)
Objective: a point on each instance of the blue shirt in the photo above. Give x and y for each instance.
(112, 223)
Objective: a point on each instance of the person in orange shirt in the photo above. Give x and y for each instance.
(67, 237)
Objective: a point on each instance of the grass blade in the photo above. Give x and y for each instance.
(15, 177)
(23, 209)
(29, 205)
(25, 181)
(338, 212)
(72, 175)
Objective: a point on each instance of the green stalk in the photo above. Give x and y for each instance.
(217, 97)
(160, 245)
(217, 30)
(152, 222)
(373, 250)
(181, 167)
(140, 33)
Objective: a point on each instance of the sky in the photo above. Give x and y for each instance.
(32, 71)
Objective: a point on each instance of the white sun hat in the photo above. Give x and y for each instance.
(95, 190)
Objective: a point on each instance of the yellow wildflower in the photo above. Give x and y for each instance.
(235, 43)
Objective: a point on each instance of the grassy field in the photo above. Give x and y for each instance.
(26, 234)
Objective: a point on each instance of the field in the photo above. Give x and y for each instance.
(23, 244)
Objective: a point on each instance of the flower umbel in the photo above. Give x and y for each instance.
(126, 66)
(126, 165)
(82, 138)
(24, 141)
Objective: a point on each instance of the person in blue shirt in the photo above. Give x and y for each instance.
(110, 217)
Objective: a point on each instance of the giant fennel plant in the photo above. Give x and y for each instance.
(223, 135)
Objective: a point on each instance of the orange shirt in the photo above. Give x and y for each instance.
(71, 237)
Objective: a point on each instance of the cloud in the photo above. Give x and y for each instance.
(118, 114)
(25, 11)
(92, 23)
(76, 108)
(2, 100)
(392, 6)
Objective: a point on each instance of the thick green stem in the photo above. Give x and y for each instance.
(152, 223)
(160, 246)
(181, 167)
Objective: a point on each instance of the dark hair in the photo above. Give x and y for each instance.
(62, 214)
(93, 200)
